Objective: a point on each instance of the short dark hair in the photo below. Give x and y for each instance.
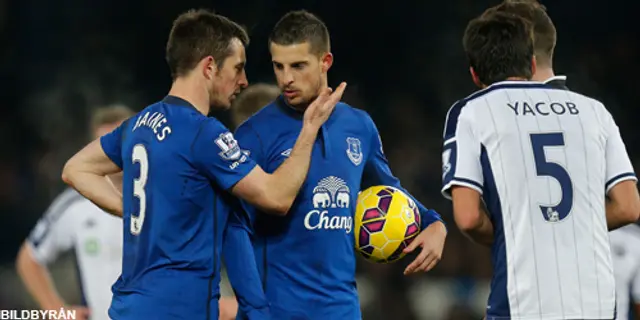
(301, 26)
(197, 34)
(251, 100)
(499, 46)
(544, 31)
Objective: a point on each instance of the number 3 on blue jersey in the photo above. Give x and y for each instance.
(139, 155)
(539, 141)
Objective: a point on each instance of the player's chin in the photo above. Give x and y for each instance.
(295, 101)
(222, 105)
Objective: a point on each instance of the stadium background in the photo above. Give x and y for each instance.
(404, 64)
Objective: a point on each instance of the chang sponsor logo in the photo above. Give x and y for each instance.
(330, 193)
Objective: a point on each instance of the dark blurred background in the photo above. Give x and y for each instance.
(404, 64)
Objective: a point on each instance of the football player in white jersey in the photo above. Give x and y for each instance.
(74, 223)
(540, 174)
(544, 37)
(625, 242)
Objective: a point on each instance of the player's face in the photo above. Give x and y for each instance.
(230, 79)
(299, 72)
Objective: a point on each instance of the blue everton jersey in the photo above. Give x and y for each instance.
(306, 259)
(178, 165)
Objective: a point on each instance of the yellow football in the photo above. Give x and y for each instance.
(386, 221)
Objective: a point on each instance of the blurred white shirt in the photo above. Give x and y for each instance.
(73, 222)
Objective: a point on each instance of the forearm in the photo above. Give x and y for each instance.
(289, 177)
(38, 282)
(98, 189)
(242, 271)
(481, 232)
(616, 217)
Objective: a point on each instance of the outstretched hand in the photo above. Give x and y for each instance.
(432, 241)
(321, 108)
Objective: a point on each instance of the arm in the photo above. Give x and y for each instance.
(635, 287)
(433, 234)
(279, 190)
(50, 237)
(275, 193)
(242, 269)
(463, 177)
(225, 163)
(470, 217)
(37, 280)
(88, 169)
(623, 203)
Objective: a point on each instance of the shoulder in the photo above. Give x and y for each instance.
(453, 115)
(62, 203)
(210, 127)
(352, 114)
(82, 207)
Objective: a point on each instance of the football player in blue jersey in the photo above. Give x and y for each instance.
(181, 171)
(306, 259)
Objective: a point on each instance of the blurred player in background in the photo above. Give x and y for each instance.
(307, 259)
(625, 249)
(181, 171)
(74, 223)
(542, 159)
(625, 242)
(248, 102)
(252, 99)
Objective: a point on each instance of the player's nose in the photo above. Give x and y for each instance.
(288, 77)
(243, 82)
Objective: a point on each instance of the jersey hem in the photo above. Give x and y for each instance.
(38, 257)
(619, 178)
(111, 157)
(246, 172)
(462, 182)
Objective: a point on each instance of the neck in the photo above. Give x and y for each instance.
(543, 73)
(191, 91)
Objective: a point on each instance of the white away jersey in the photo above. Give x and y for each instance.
(73, 222)
(543, 159)
(625, 249)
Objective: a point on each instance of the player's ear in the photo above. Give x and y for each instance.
(534, 66)
(475, 78)
(327, 61)
(208, 67)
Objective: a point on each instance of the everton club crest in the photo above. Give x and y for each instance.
(354, 150)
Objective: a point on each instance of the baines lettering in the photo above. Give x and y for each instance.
(156, 123)
(523, 108)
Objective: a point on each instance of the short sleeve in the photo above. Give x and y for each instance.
(461, 164)
(618, 164)
(219, 155)
(53, 234)
(250, 142)
(112, 144)
(251, 145)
